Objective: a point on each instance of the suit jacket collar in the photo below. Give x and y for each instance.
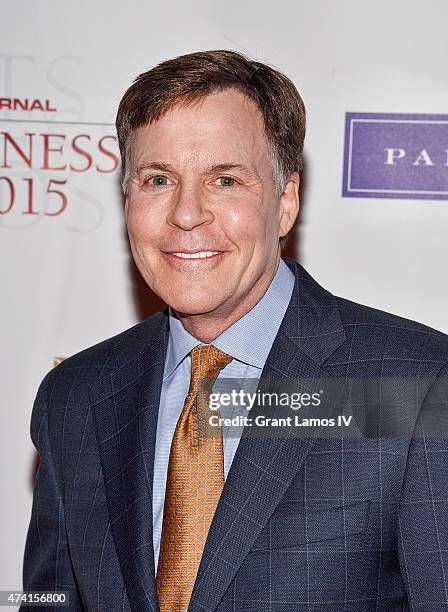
(124, 403)
(312, 321)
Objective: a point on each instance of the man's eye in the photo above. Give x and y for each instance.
(226, 181)
(157, 180)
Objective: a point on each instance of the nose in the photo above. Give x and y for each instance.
(189, 209)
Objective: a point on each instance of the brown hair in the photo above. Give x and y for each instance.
(189, 78)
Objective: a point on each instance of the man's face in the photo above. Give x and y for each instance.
(202, 216)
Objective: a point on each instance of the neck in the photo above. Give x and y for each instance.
(206, 327)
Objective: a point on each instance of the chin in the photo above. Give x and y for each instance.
(193, 307)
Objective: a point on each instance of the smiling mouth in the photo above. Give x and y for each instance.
(196, 255)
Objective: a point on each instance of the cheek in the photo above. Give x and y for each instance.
(144, 224)
(245, 223)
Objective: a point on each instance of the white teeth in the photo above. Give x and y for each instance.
(200, 254)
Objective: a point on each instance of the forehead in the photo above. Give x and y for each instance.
(225, 124)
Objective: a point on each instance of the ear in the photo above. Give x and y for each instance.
(126, 207)
(289, 204)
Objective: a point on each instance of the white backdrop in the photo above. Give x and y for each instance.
(67, 281)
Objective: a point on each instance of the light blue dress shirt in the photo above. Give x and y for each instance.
(248, 341)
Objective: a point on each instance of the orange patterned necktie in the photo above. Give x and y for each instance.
(194, 484)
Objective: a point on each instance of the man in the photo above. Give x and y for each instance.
(138, 505)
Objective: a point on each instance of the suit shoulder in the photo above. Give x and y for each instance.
(368, 323)
(102, 354)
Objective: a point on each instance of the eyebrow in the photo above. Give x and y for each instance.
(164, 167)
(155, 165)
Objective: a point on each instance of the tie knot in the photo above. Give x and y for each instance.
(206, 363)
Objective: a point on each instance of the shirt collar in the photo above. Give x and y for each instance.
(242, 340)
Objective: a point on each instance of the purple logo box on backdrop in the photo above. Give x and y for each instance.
(394, 155)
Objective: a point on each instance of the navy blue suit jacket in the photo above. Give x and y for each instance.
(303, 524)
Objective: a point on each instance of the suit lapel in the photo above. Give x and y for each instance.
(124, 404)
(263, 468)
